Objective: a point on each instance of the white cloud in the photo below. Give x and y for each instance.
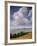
(20, 19)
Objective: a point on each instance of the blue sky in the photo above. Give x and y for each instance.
(20, 16)
(14, 9)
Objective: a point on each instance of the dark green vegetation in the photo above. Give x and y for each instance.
(17, 35)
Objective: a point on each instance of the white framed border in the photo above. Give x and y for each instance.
(33, 23)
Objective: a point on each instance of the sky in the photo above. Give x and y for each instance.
(20, 16)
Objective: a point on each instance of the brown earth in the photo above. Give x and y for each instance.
(26, 36)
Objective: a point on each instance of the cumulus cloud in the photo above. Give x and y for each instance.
(22, 18)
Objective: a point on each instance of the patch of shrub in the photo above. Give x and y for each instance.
(10, 35)
(14, 36)
(18, 34)
(22, 33)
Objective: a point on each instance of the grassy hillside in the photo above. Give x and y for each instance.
(20, 33)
